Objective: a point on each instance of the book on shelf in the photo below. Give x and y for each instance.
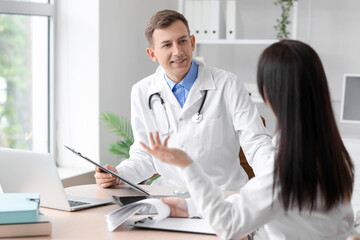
(154, 214)
(42, 226)
(19, 207)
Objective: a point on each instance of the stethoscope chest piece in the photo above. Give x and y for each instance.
(197, 117)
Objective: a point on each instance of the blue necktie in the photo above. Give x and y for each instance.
(179, 93)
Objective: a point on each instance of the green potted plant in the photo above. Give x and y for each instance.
(284, 21)
(121, 126)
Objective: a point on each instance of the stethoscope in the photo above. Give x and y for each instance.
(196, 118)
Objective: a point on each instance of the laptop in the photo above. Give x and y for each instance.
(26, 171)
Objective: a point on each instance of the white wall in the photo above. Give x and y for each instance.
(335, 36)
(100, 54)
(123, 58)
(76, 81)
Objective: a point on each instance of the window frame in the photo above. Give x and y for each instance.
(45, 10)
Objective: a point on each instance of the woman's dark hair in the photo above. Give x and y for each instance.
(311, 162)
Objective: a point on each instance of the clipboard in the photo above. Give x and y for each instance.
(109, 171)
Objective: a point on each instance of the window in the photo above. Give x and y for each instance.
(25, 65)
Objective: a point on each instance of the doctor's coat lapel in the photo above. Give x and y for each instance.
(203, 82)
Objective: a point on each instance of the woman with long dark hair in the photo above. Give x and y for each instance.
(303, 190)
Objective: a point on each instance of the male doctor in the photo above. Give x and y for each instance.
(207, 112)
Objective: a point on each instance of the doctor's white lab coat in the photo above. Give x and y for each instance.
(230, 118)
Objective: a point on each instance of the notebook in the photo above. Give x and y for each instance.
(40, 227)
(26, 171)
(19, 207)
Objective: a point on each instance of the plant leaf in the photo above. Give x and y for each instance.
(121, 127)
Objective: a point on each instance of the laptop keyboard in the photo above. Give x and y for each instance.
(77, 203)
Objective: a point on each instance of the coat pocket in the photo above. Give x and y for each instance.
(212, 133)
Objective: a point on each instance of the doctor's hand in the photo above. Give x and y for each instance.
(106, 179)
(163, 153)
(178, 206)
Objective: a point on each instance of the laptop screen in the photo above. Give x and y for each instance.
(32, 172)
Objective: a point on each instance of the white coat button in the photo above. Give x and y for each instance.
(182, 146)
(181, 119)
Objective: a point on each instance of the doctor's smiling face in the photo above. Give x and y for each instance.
(172, 47)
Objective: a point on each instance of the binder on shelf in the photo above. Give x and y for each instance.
(217, 19)
(19, 207)
(189, 14)
(197, 8)
(38, 228)
(233, 27)
(206, 19)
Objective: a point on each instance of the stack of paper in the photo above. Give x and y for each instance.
(161, 221)
(19, 215)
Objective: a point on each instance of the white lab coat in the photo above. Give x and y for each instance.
(255, 206)
(229, 118)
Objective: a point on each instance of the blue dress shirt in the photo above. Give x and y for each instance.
(181, 90)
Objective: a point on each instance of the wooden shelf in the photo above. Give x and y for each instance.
(237, 41)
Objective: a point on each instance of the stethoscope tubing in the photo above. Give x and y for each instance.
(197, 118)
(156, 94)
(163, 102)
(202, 103)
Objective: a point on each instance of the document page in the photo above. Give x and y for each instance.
(119, 216)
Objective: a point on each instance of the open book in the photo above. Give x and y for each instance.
(125, 215)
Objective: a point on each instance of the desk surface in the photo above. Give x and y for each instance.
(90, 223)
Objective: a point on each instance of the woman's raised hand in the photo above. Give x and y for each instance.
(163, 153)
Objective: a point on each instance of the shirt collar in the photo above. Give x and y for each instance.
(205, 80)
(188, 80)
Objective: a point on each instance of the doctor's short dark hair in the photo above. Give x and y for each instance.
(162, 19)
